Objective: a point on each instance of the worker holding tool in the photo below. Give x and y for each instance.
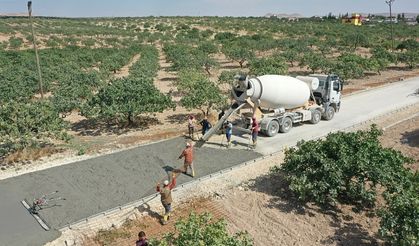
(166, 197)
(187, 154)
(255, 131)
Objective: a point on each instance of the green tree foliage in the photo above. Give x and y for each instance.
(199, 92)
(25, 125)
(124, 99)
(202, 230)
(410, 58)
(227, 76)
(315, 62)
(270, 65)
(74, 90)
(356, 39)
(345, 167)
(238, 53)
(409, 44)
(187, 57)
(290, 56)
(15, 42)
(400, 219)
(349, 66)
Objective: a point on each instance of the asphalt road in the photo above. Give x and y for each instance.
(99, 184)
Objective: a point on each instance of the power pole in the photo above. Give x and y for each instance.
(390, 3)
(36, 50)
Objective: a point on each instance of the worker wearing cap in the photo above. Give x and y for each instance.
(187, 153)
(166, 196)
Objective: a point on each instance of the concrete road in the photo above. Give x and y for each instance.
(98, 184)
(355, 109)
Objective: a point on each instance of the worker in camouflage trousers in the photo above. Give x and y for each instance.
(166, 197)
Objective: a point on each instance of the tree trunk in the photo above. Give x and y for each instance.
(130, 121)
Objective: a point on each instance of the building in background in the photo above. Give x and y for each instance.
(355, 19)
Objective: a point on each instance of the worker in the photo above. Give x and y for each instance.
(229, 132)
(142, 239)
(221, 114)
(206, 125)
(187, 154)
(191, 125)
(166, 197)
(255, 131)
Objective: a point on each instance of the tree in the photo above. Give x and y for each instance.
(344, 167)
(410, 58)
(290, 55)
(400, 219)
(15, 42)
(227, 76)
(24, 125)
(270, 65)
(199, 92)
(349, 66)
(202, 230)
(123, 99)
(315, 62)
(238, 53)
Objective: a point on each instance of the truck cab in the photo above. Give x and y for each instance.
(328, 94)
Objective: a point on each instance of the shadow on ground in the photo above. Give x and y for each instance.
(96, 128)
(347, 232)
(178, 118)
(411, 138)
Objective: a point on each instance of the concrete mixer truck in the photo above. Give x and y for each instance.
(278, 101)
(284, 101)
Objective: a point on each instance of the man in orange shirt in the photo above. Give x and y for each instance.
(187, 153)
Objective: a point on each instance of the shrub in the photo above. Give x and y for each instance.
(400, 220)
(345, 167)
(202, 230)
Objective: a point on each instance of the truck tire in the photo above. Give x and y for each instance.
(329, 114)
(272, 129)
(316, 116)
(286, 125)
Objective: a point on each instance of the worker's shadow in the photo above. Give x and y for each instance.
(169, 170)
(145, 209)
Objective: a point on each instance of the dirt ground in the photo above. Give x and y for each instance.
(265, 208)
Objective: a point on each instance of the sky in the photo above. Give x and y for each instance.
(113, 8)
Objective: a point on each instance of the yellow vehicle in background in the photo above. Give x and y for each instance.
(355, 19)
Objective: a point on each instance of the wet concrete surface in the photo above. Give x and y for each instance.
(99, 184)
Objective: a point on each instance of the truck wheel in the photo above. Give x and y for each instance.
(329, 114)
(286, 125)
(273, 128)
(316, 116)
